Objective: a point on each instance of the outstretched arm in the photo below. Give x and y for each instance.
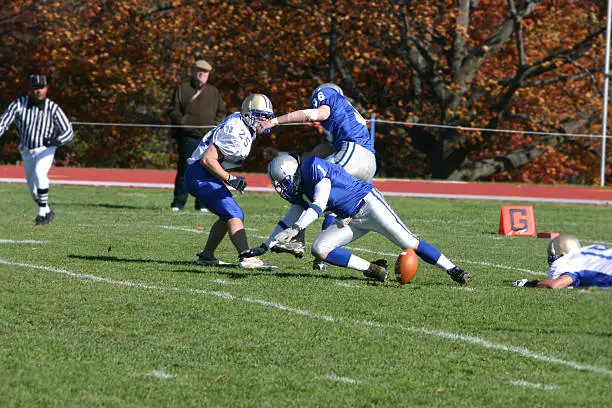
(301, 116)
(561, 282)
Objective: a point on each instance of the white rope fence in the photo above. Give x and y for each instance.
(376, 121)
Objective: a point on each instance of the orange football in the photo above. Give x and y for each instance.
(406, 266)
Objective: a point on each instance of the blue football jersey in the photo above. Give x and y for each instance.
(344, 124)
(346, 190)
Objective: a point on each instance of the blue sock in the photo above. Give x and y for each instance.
(339, 257)
(428, 252)
(329, 220)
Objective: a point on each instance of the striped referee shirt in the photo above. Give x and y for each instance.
(36, 124)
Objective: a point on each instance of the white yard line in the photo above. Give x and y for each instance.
(346, 380)
(327, 318)
(523, 383)
(161, 374)
(25, 241)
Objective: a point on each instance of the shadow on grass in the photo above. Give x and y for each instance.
(232, 271)
(120, 206)
(108, 258)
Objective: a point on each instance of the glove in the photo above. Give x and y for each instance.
(239, 183)
(519, 283)
(286, 235)
(260, 250)
(524, 283)
(51, 142)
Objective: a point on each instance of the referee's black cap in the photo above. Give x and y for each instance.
(38, 81)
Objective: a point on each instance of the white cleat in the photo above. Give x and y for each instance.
(255, 263)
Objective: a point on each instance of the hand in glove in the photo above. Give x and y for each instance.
(524, 283)
(287, 235)
(257, 251)
(239, 183)
(52, 142)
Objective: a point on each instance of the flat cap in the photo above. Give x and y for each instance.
(203, 65)
(38, 80)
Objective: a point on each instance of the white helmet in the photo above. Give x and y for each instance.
(561, 245)
(256, 108)
(284, 173)
(328, 85)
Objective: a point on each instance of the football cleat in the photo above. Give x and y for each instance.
(45, 219)
(319, 265)
(459, 275)
(255, 263)
(377, 270)
(295, 248)
(209, 261)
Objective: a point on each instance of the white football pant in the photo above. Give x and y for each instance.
(37, 164)
(375, 215)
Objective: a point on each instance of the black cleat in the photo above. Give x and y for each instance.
(459, 275)
(45, 219)
(318, 265)
(377, 270)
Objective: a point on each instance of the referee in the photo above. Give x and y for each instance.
(42, 127)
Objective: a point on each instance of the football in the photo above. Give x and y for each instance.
(406, 266)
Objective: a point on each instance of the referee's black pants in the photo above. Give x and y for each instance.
(186, 146)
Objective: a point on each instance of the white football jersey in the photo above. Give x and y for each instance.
(588, 266)
(232, 137)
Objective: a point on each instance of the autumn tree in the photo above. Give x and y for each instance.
(431, 71)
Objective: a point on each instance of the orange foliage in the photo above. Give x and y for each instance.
(118, 61)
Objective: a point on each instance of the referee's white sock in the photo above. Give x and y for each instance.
(43, 198)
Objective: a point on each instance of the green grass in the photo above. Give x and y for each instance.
(110, 300)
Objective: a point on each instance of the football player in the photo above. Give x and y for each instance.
(222, 149)
(347, 142)
(317, 185)
(573, 266)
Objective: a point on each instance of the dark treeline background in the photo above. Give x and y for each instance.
(521, 65)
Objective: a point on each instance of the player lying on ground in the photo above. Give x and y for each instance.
(360, 207)
(222, 149)
(573, 266)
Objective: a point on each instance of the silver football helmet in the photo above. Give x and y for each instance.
(561, 245)
(328, 85)
(256, 108)
(284, 173)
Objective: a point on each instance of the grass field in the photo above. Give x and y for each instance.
(106, 307)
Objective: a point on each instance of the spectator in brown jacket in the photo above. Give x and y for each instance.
(194, 103)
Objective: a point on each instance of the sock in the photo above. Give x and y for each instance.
(428, 252)
(42, 200)
(432, 255)
(239, 239)
(329, 220)
(342, 257)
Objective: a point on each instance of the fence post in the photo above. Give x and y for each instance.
(372, 127)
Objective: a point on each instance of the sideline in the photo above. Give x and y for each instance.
(164, 179)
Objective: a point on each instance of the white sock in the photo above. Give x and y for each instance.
(358, 263)
(445, 263)
(42, 211)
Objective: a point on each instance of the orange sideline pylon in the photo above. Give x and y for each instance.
(517, 221)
